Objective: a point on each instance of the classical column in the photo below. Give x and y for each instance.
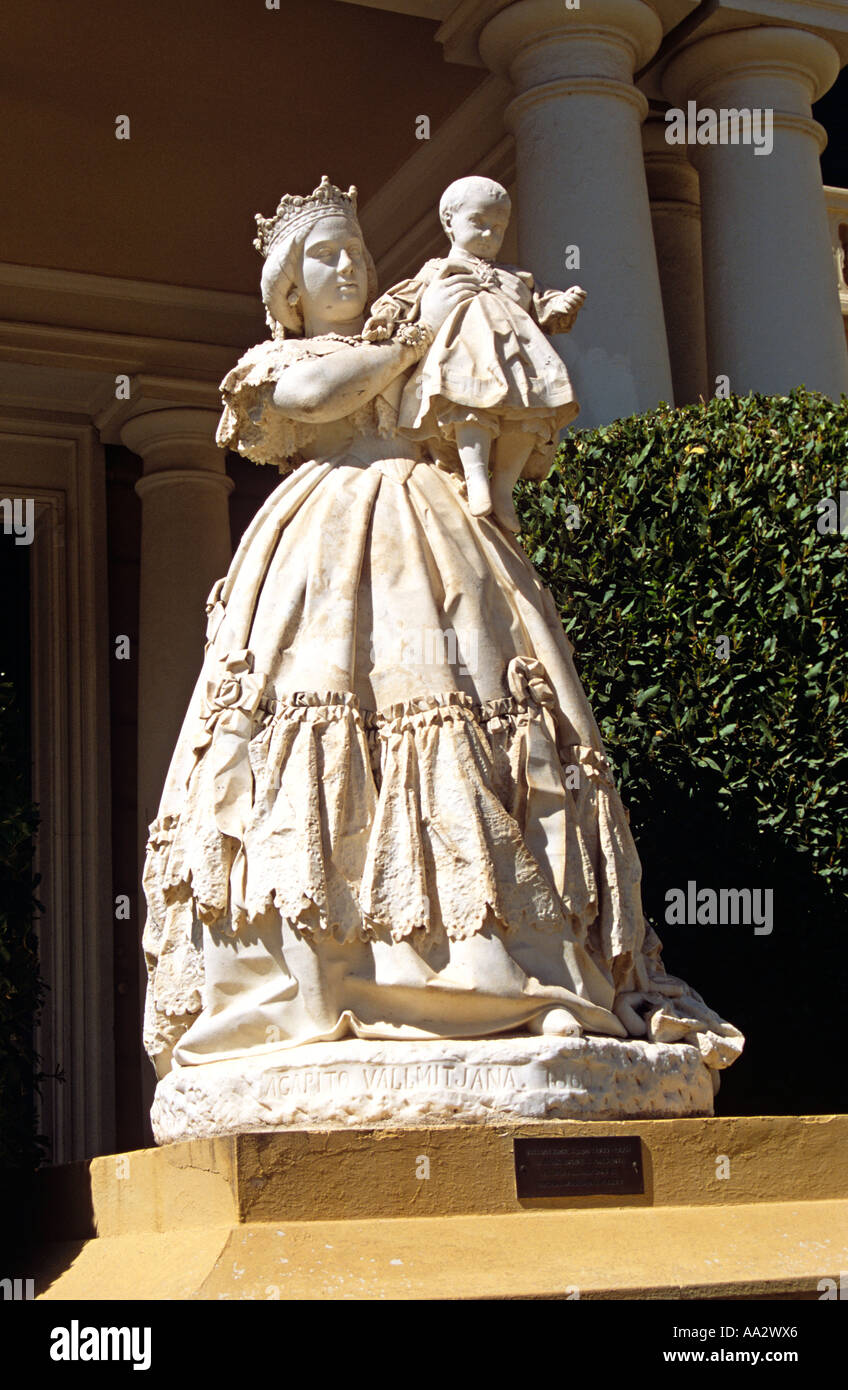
(185, 547)
(581, 182)
(676, 218)
(772, 313)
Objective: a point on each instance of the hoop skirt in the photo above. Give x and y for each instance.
(389, 812)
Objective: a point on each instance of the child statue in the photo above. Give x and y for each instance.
(491, 385)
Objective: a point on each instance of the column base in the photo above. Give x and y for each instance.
(392, 1083)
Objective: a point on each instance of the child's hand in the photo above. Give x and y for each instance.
(574, 299)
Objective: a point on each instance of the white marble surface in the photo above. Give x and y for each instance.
(389, 820)
(355, 1082)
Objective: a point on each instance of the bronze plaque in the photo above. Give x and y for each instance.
(603, 1167)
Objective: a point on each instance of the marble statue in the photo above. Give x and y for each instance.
(391, 878)
(489, 383)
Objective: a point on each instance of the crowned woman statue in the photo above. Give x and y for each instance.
(389, 829)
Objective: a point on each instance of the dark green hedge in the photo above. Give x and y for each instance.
(21, 987)
(699, 523)
(696, 524)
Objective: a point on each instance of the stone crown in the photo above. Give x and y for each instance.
(294, 211)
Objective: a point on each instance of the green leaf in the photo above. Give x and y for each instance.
(648, 694)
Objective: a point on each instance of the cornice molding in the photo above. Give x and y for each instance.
(33, 342)
(460, 32)
(132, 308)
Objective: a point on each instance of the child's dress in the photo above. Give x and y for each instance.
(489, 362)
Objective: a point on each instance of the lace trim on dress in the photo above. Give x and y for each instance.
(342, 833)
(332, 785)
(251, 425)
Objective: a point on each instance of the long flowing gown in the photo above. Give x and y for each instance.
(389, 812)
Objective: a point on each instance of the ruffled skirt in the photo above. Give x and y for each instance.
(389, 811)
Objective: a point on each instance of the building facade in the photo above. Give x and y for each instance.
(128, 288)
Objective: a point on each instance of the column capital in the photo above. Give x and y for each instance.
(799, 65)
(581, 184)
(538, 41)
(182, 438)
(772, 316)
(147, 393)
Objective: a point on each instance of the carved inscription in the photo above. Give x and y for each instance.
(313, 1081)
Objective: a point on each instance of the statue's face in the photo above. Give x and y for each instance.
(335, 276)
(479, 226)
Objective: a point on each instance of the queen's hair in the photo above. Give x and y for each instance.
(282, 275)
(461, 190)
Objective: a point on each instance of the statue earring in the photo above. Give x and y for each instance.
(292, 298)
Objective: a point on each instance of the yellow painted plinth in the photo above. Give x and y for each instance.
(739, 1207)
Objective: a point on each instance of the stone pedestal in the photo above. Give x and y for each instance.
(358, 1082)
(435, 1213)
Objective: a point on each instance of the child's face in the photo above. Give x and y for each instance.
(479, 227)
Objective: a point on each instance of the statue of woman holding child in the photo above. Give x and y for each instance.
(389, 829)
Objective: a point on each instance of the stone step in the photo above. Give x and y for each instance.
(749, 1250)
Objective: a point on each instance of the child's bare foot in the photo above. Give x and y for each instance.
(477, 484)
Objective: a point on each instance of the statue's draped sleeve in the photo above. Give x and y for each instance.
(250, 424)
